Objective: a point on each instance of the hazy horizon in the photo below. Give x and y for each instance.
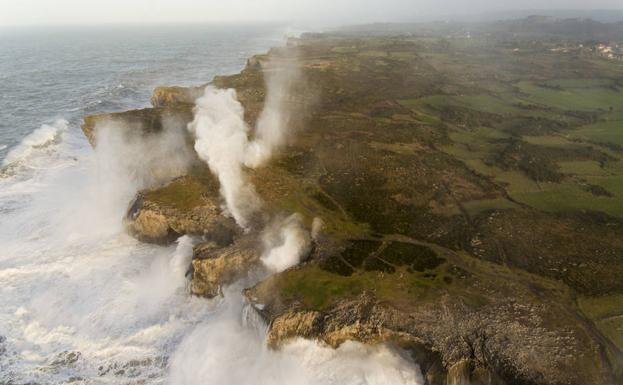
(73, 12)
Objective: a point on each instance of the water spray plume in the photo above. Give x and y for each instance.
(286, 242)
(221, 140)
(274, 123)
(222, 137)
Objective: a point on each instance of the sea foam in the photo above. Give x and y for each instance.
(38, 139)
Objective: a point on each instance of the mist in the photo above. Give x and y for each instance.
(285, 243)
(274, 123)
(319, 12)
(228, 145)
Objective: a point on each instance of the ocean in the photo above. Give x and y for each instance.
(81, 301)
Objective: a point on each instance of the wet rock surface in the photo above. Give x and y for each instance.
(132, 368)
(214, 266)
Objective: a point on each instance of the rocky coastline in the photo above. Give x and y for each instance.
(476, 297)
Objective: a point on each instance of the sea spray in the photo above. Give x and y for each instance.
(231, 349)
(180, 261)
(274, 125)
(285, 243)
(227, 144)
(222, 142)
(252, 319)
(80, 298)
(142, 160)
(122, 163)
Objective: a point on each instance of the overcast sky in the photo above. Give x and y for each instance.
(21, 12)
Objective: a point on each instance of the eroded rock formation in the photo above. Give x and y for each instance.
(214, 266)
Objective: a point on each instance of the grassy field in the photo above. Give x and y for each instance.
(607, 313)
(608, 131)
(573, 94)
(570, 125)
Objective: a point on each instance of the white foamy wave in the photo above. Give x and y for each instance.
(223, 351)
(353, 363)
(78, 297)
(38, 139)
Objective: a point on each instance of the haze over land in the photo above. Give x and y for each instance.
(36, 12)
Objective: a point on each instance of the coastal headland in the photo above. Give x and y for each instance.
(463, 197)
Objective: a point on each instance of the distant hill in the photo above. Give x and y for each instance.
(601, 15)
(532, 26)
(579, 28)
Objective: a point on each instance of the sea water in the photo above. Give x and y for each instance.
(81, 301)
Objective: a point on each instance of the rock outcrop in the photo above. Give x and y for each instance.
(214, 266)
(480, 330)
(140, 122)
(186, 205)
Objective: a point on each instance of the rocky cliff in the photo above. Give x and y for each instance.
(428, 242)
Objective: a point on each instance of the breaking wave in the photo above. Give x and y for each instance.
(227, 351)
(38, 140)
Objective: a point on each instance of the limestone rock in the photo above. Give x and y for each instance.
(186, 205)
(294, 324)
(214, 267)
(143, 121)
(168, 96)
(149, 224)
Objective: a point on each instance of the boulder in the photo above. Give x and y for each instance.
(186, 205)
(213, 267)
